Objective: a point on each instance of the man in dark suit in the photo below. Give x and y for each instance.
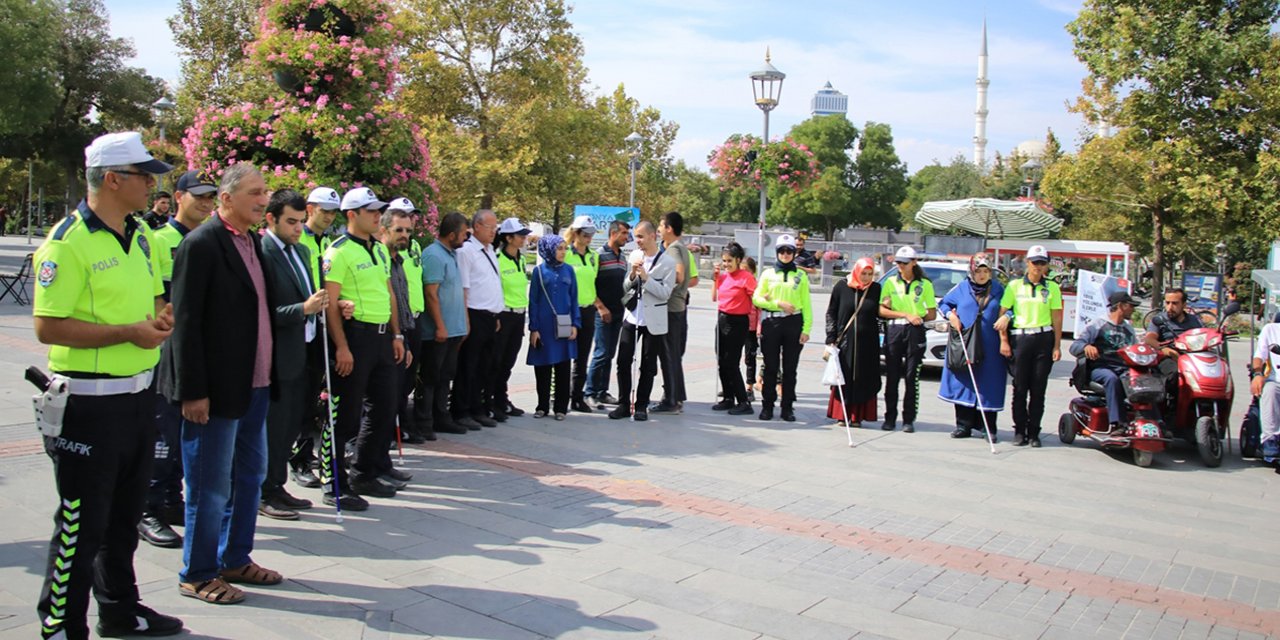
(296, 301)
(217, 366)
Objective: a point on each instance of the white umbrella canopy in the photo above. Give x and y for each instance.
(991, 218)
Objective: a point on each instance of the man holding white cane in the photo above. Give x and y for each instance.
(650, 281)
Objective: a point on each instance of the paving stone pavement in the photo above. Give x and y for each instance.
(699, 526)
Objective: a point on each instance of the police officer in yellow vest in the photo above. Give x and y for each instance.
(196, 194)
(512, 235)
(786, 312)
(99, 305)
(322, 209)
(907, 301)
(586, 266)
(406, 282)
(367, 349)
(1033, 304)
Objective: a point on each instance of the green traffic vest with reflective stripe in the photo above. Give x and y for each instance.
(413, 277)
(915, 298)
(84, 272)
(364, 274)
(168, 237)
(318, 245)
(792, 287)
(515, 281)
(1032, 304)
(585, 268)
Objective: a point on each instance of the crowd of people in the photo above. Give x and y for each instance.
(243, 342)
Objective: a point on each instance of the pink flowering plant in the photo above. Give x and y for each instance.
(331, 123)
(745, 162)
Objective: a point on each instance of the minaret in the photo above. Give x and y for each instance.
(980, 114)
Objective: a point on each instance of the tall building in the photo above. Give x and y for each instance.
(980, 114)
(827, 101)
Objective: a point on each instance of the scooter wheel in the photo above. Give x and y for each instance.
(1143, 458)
(1066, 429)
(1208, 443)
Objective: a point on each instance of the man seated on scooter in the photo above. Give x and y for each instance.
(1167, 325)
(1101, 343)
(1265, 384)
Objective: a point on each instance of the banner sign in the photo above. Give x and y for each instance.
(1204, 290)
(1092, 291)
(602, 216)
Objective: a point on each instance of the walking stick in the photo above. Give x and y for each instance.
(968, 362)
(399, 443)
(844, 408)
(332, 447)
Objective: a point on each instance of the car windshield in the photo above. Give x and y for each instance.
(943, 279)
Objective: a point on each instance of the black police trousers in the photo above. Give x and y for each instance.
(102, 465)
(903, 356)
(585, 335)
(507, 348)
(372, 378)
(473, 386)
(780, 338)
(1032, 363)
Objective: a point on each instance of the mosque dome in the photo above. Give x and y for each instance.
(1030, 149)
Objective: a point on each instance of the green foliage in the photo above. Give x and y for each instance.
(30, 30)
(212, 37)
(878, 178)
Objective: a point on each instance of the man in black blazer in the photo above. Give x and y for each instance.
(218, 367)
(296, 300)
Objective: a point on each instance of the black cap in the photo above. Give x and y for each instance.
(196, 183)
(1119, 297)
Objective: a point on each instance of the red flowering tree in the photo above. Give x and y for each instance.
(331, 122)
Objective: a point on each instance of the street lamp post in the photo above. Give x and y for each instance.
(633, 145)
(1030, 172)
(162, 107)
(1220, 256)
(766, 87)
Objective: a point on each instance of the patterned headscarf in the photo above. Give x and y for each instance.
(547, 248)
(855, 276)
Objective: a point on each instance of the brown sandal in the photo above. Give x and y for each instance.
(215, 591)
(252, 574)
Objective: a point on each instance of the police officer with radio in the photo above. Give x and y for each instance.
(99, 305)
(1033, 305)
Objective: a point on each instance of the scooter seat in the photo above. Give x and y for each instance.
(1093, 389)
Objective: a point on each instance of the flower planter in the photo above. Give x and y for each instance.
(287, 80)
(331, 20)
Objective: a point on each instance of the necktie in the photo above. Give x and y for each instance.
(291, 256)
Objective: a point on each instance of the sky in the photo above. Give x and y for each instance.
(910, 64)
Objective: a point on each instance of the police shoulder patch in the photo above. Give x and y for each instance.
(144, 245)
(48, 271)
(325, 265)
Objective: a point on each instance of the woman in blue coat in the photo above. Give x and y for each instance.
(961, 308)
(553, 290)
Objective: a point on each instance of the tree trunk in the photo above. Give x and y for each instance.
(1157, 254)
(72, 167)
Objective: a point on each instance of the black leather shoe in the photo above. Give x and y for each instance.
(514, 411)
(157, 533)
(619, 414)
(350, 502)
(606, 398)
(665, 407)
(789, 415)
(766, 413)
(145, 622)
(449, 427)
(1035, 442)
(909, 427)
(467, 423)
(640, 416)
(485, 421)
(392, 482)
(174, 515)
(888, 426)
(580, 406)
(1020, 441)
(269, 508)
(284, 499)
(371, 487)
(305, 478)
(743, 409)
(402, 476)
(723, 405)
(412, 438)
(499, 416)
(961, 432)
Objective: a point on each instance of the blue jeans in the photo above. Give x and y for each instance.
(602, 357)
(1110, 380)
(225, 462)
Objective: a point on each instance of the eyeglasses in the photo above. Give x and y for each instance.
(1040, 263)
(786, 250)
(144, 174)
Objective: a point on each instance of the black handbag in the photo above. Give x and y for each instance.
(969, 338)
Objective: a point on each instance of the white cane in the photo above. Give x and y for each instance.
(968, 362)
(332, 415)
(844, 408)
(636, 258)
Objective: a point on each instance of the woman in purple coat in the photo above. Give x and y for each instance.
(553, 290)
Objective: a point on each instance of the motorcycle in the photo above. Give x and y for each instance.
(1200, 407)
(1142, 430)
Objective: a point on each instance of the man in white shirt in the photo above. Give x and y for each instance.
(650, 281)
(482, 289)
(1265, 384)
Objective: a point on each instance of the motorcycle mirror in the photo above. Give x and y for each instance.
(1231, 309)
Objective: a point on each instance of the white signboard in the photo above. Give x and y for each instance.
(1093, 289)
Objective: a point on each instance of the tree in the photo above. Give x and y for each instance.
(212, 37)
(827, 203)
(954, 181)
(30, 30)
(1178, 79)
(878, 179)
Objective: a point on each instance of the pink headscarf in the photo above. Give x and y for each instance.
(855, 279)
